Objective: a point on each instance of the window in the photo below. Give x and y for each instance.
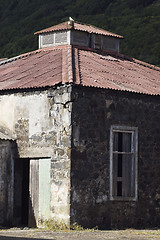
(123, 163)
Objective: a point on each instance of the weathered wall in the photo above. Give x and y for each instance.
(6, 182)
(60, 112)
(41, 120)
(94, 111)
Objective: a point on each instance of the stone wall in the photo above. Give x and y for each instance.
(60, 112)
(94, 111)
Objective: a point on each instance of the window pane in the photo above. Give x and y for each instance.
(119, 189)
(128, 176)
(120, 142)
(127, 137)
(120, 163)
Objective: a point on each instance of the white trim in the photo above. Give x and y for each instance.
(69, 37)
(40, 41)
(111, 162)
(134, 152)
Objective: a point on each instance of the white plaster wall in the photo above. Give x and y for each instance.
(32, 107)
(42, 125)
(7, 107)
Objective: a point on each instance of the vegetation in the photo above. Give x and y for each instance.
(51, 225)
(137, 20)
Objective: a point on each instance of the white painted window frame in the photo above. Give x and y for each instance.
(134, 131)
(53, 34)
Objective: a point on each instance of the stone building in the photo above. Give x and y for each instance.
(79, 133)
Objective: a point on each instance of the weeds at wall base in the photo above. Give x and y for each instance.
(51, 225)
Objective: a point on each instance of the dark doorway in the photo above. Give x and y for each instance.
(25, 191)
(21, 192)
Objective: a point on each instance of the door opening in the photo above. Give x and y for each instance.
(25, 191)
(21, 191)
(31, 191)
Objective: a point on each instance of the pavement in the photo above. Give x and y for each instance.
(39, 234)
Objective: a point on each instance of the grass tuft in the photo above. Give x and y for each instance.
(52, 225)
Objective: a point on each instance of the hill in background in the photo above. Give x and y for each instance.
(137, 20)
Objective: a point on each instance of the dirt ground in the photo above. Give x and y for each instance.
(37, 234)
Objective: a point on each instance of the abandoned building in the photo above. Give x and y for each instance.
(79, 133)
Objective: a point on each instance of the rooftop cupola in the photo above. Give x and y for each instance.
(78, 34)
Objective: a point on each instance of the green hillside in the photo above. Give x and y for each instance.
(137, 20)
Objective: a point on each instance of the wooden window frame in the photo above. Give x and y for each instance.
(134, 152)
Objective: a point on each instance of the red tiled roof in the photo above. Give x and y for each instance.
(118, 73)
(64, 64)
(80, 27)
(36, 69)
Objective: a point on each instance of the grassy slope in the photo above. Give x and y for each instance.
(19, 19)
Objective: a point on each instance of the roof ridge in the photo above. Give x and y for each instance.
(8, 60)
(76, 65)
(70, 63)
(20, 56)
(67, 64)
(47, 49)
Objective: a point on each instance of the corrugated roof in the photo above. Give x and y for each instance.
(80, 27)
(118, 72)
(64, 64)
(36, 69)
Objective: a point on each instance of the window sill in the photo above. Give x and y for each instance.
(124, 199)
